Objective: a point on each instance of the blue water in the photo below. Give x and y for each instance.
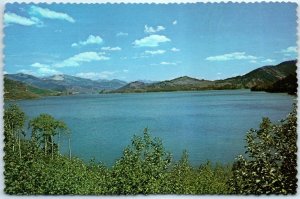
(211, 125)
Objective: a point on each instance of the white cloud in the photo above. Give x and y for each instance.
(76, 60)
(175, 49)
(96, 75)
(232, 56)
(12, 18)
(39, 65)
(125, 71)
(151, 41)
(117, 48)
(43, 69)
(90, 40)
(168, 63)
(268, 61)
(291, 49)
(119, 34)
(49, 14)
(150, 30)
(155, 52)
(47, 71)
(253, 61)
(174, 22)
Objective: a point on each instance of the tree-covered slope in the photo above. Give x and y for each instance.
(16, 90)
(261, 77)
(286, 85)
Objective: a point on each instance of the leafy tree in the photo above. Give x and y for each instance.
(142, 168)
(44, 128)
(14, 119)
(271, 167)
(182, 178)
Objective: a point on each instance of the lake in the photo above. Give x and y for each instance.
(210, 125)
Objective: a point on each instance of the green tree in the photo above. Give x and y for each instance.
(271, 165)
(14, 119)
(182, 177)
(44, 128)
(143, 167)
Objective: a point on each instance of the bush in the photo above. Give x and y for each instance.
(271, 165)
(142, 168)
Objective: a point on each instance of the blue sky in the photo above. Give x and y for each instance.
(147, 42)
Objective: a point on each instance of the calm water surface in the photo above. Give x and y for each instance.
(211, 125)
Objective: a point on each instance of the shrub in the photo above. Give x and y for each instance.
(271, 165)
(142, 168)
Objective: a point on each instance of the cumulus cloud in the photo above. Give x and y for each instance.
(90, 40)
(96, 75)
(50, 14)
(76, 60)
(39, 65)
(150, 30)
(151, 41)
(40, 70)
(289, 51)
(155, 52)
(117, 48)
(120, 34)
(168, 63)
(47, 71)
(231, 56)
(175, 49)
(268, 61)
(12, 18)
(44, 69)
(174, 22)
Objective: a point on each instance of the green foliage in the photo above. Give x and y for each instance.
(44, 128)
(142, 168)
(14, 90)
(39, 174)
(206, 179)
(271, 167)
(286, 85)
(14, 120)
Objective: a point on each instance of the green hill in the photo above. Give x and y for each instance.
(14, 90)
(286, 85)
(263, 76)
(259, 78)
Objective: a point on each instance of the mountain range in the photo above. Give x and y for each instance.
(67, 84)
(265, 78)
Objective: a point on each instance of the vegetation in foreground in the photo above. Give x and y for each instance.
(35, 166)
